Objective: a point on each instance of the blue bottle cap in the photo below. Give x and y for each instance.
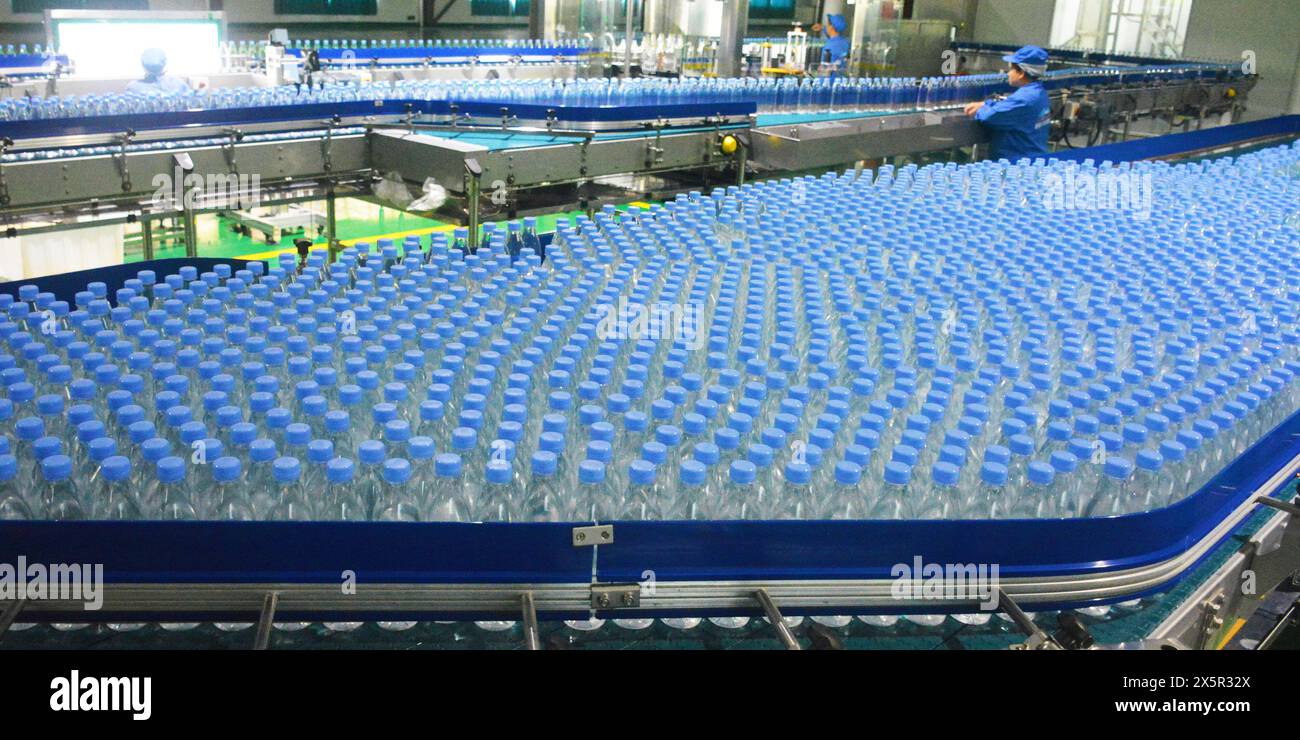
(30, 428)
(742, 472)
(760, 455)
(155, 449)
(693, 472)
(286, 469)
(726, 438)
(90, 430)
(898, 473)
(114, 469)
(339, 470)
(591, 471)
(1040, 473)
(641, 472)
(668, 435)
(1064, 462)
(847, 473)
(319, 450)
(102, 448)
(261, 450)
(798, 472)
(1173, 451)
(1149, 460)
(171, 469)
(543, 462)
(226, 469)
(1118, 467)
(397, 471)
(994, 474)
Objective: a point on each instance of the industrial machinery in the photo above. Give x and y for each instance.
(503, 156)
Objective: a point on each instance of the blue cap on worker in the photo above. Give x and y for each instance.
(154, 60)
(837, 22)
(1032, 59)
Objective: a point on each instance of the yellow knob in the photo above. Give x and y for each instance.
(728, 144)
(1232, 92)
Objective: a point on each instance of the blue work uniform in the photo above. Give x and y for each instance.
(164, 85)
(836, 48)
(1019, 124)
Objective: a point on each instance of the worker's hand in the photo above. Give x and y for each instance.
(816, 28)
(973, 108)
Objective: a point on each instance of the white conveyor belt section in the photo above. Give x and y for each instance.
(50, 253)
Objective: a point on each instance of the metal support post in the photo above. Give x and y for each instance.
(146, 236)
(264, 622)
(627, 39)
(731, 45)
(778, 622)
(531, 636)
(10, 613)
(473, 175)
(1038, 639)
(191, 233)
(331, 224)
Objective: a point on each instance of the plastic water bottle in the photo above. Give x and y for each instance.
(57, 492)
(342, 500)
(397, 502)
(228, 500)
(447, 499)
(638, 501)
(290, 501)
(12, 503)
(502, 492)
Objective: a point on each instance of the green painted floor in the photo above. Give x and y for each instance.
(366, 222)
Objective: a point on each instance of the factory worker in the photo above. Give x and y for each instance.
(1018, 125)
(836, 49)
(155, 82)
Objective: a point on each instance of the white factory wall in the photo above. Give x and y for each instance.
(262, 11)
(1271, 29)
(1014, 21)
(8, 16)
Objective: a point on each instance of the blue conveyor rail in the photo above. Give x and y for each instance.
(1077, 56)
(441, 54)
(155, 552)
(1171, 145)
(634, 116)
(208, 552)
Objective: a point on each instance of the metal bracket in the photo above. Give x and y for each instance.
(262, 639)
(602, 534)
(119, 159)
(327, 143)
(1038, 639)
(550, 119)
(233, 137)
(506, 118)
(1279, 504)
(778, 622)
(654, 153)
(615, 595)
(10, 613)
(1211, 621)
(532, 638)
(5, 144)
(473, 182)
(1281, 563)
